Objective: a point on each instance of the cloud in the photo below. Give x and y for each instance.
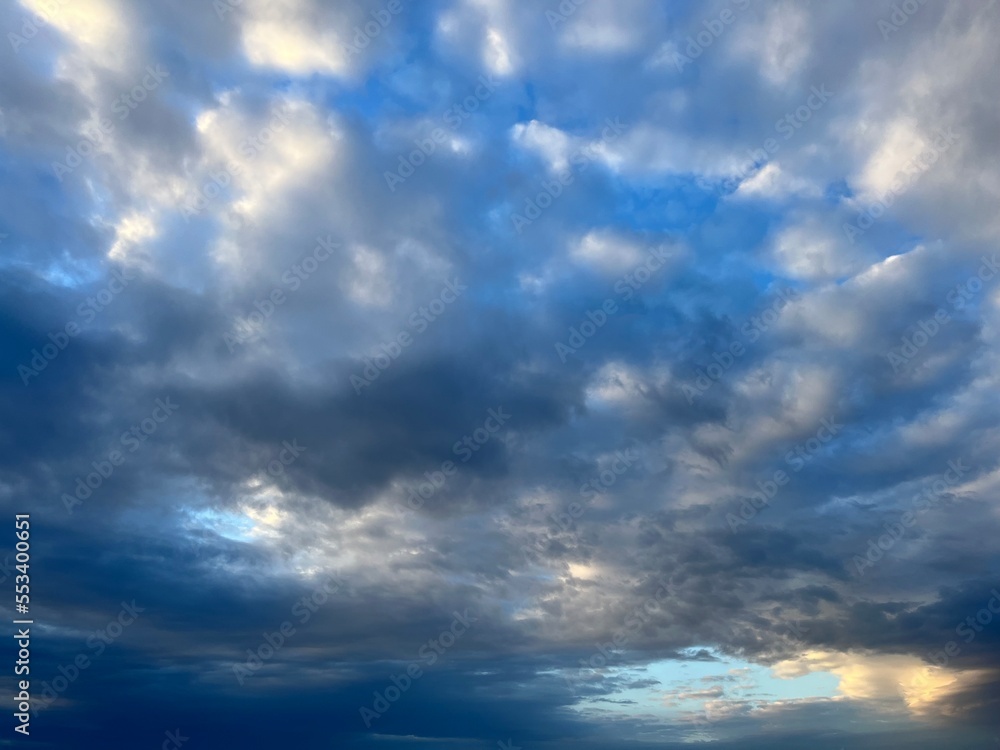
(270, 137)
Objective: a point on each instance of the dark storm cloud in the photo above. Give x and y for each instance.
(545, 534)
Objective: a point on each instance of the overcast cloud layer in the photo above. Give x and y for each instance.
(497, 373)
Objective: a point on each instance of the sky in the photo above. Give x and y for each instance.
(498, 374)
